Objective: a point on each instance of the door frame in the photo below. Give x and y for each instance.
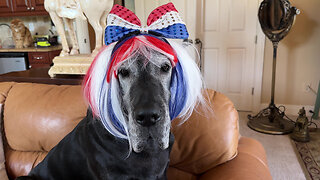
(258, 71)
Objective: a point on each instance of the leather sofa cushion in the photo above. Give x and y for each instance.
(37, 116)
(208, 138)
(250, 164)
(20, 163)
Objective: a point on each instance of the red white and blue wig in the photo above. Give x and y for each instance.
(124, 38)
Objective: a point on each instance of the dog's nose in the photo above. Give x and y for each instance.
(147, 116)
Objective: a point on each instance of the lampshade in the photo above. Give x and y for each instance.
(276, 18)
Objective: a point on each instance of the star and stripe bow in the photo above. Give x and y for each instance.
(164, 21)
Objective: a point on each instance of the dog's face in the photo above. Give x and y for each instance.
(145, 91)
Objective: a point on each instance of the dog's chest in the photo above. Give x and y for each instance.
(135, 169)
(145, 165)
(112, 160)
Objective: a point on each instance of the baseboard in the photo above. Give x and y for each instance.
(292, 110)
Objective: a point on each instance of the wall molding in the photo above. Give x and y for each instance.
(292, 110)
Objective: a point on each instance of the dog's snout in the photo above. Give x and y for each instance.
(148, 116)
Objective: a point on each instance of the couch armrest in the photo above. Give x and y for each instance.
(249, 164)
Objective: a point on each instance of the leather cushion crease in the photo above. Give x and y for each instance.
(37, 116)
(4, 90)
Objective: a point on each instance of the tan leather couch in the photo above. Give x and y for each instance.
(208, 146)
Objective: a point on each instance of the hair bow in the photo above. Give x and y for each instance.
(164, 21)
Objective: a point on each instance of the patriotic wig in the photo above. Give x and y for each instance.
(124, 38)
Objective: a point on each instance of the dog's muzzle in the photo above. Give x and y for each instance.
(147, 116)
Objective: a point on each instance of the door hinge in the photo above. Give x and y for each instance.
(188, 40)
(252, 91)
(256, 39)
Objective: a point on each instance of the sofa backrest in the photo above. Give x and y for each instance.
(37, 116)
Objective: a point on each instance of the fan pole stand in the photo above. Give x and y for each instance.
(271, 120)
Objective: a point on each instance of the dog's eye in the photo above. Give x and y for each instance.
(123, 72)
(165, 68)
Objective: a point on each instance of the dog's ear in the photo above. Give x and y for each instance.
(95, 77)
(178, 91)
(101, 96)
(186, 85)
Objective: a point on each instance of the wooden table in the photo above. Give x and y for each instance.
(40, 75)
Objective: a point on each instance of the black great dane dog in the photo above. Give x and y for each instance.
(91, 152)
(135, 86)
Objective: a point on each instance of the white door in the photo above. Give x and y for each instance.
(228, 29)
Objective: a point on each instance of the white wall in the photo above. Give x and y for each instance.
(298, 59)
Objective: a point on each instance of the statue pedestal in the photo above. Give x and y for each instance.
(77, 65)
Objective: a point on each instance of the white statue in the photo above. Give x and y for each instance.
(95, 10)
